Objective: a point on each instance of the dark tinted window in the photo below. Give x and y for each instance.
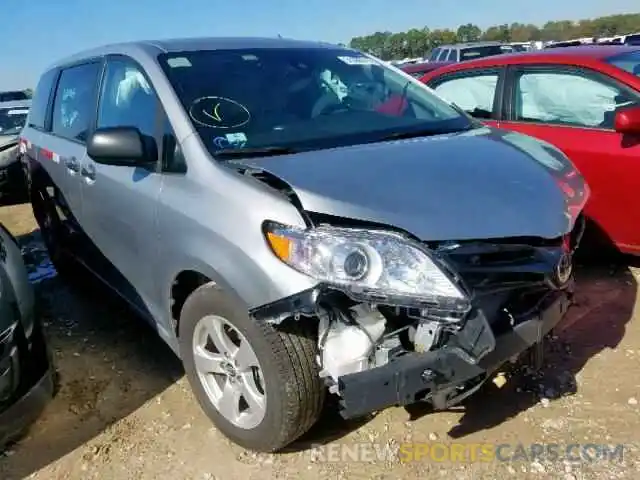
(74, 105)
(318, 98)
(40, 102)
(12, 120)
(434, 54)
(173, 160)
(632, 39)
(13, 96)
(453, 55)
(628, 61)
(480, 52)
(443, 55)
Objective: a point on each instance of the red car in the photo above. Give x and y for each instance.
(419, 69)
(583, 100)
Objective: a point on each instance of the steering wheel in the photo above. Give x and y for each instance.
(328, 104)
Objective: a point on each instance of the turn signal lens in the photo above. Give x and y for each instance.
(281, 246)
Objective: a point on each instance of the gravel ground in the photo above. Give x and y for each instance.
(124, 409)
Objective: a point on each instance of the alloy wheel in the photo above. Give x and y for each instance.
(229, 371)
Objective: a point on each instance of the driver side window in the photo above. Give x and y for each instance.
(567, 98)
(127, 99)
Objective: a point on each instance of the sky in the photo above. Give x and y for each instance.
(36, 33)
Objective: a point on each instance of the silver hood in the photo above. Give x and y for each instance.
(481, 184)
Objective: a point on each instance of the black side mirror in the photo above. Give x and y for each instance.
(122, 146)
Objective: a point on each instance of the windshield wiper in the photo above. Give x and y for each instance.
(423, 132)
(231, 153)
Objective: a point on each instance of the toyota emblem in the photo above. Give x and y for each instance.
(564, 268)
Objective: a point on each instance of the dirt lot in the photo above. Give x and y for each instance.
(124, 409)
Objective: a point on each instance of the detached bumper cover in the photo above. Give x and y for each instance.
(471, 355)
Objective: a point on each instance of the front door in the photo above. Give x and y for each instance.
(574, 110)
(120, 202)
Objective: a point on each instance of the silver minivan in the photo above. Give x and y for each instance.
(293, 217)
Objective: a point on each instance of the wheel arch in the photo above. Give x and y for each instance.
(187, 281)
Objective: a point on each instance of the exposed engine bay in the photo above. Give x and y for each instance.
(508, 283)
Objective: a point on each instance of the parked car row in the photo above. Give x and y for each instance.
(461, 52)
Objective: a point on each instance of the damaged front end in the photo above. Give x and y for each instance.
(402, 321)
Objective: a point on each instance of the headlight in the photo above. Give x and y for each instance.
(374, 265)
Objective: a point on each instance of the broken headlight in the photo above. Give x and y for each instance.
(368, 265)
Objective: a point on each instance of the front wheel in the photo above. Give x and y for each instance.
(259, 385)
(52, 233)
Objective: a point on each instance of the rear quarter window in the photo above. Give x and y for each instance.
(38, 111)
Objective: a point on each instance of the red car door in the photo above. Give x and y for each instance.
(574, 109)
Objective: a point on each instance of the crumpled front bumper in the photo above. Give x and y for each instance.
(463, 364)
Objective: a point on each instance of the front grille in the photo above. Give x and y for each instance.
(486, 267)
(509, 278)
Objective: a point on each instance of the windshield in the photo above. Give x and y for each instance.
(629, 61)
(12, 120)
(481, 52)
(299, 98)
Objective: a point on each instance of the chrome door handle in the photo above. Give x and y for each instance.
(72, 164)
(89, 172)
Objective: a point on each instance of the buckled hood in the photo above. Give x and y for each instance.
(480, 184)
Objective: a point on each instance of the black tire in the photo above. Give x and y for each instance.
(294, 390)
(52, 234)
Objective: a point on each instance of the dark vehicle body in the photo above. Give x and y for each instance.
(26, 373)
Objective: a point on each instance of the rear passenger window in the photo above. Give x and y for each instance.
(443, 55)
(452, 55)
(474, 94)
(40, 102)
(74, 105)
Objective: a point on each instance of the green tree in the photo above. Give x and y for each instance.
(417, 42)
(469, 33)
